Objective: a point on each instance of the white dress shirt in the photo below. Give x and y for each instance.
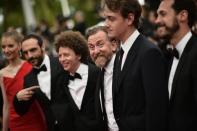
(77, 86)
(128, 44)
(108, 76)
(180, 47)
(44, 78)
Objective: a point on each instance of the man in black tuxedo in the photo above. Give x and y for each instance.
(41, 83)
(80, 80)
(175, 19)
(139, 87)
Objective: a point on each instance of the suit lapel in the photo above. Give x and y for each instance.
(89, 87)
(56, 70)
(31, 79)
(53, 71)
(128, 62)
(180, 67)
(72, 102)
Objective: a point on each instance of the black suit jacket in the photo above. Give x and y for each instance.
(84, 119)
(140, 96)
(183, 100)
(47, 105)
(101, 113)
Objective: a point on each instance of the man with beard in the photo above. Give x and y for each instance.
(139, 87)
(175, 19)
(40, 84)
(102, 51)
(101, 47)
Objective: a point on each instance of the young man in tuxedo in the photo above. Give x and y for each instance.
(139, 88)
(40, 84)
(175, 19)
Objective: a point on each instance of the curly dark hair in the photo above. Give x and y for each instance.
(75, 41)
(125, 7)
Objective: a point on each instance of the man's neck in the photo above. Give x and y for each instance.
(127, 34)
(178, 36)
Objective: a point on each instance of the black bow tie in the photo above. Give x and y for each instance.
(174, 53)
(42, 68)
(76, 75)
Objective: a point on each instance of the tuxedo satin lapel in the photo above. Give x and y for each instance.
(115, 77)
(98, 101)
(53, 72)
(31, 80)
(90, 83)
(56, 70)
(127, 65)
(129, 60)
(177, 74)
(72, 102)
(180, 66)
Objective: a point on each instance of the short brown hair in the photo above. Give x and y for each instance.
(94, 30)
(125, 7)
(75, 41)
(189, 6)
(34, 36)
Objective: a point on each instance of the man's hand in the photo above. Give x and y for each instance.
(26, 94)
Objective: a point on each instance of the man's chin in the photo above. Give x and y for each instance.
(34, 63)
(101, 61)
(110, 34)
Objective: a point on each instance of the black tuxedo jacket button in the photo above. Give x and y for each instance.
(56, 122)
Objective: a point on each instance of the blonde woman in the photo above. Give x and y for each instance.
(11, 80)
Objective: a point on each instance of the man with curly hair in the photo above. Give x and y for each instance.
(80, 79)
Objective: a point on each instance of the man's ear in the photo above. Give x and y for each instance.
(130, 18)
(183, 16)
(114, 46)
(43, 47)
(79, 57)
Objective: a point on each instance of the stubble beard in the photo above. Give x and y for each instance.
(170, 31)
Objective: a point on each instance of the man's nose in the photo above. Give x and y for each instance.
(62, 58)
(106, 23)
(96, 50)
(157, 21)
(29, 54)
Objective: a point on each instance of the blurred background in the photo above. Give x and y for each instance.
(49, 17)
(30, 15)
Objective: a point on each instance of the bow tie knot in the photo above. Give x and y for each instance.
(42, 68)
(174, 53)
(76, 75)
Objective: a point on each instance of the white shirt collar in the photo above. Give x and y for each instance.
(46, 61)
(44, 77)
(129, 42)
(83, 69)
(182, 43)
(110, 65)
